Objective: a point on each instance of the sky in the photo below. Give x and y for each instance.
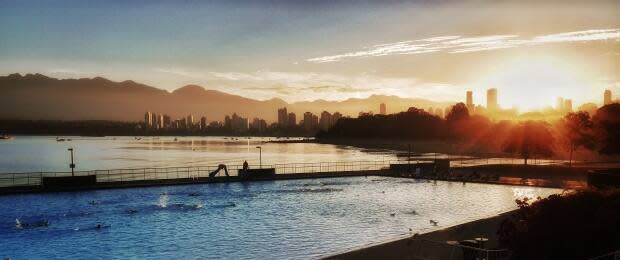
(531, 51)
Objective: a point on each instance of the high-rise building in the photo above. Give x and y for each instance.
(310, 121)
(325, 121)
(190, 121)
(160, 121)
(148, 119)
(492, 99)
(568, 105)
(559, 106)
(292, 119)
(203, 123)
(153, 120)
(258, 125)
(167, 122)
(469, 102)
(382, 109)
(238, 123)
(607, 97)
(335, 117)
(227, 122)
(282, 117)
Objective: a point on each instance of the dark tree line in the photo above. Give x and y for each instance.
(413, 124)
(527, 139)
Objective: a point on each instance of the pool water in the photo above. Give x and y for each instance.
(293, 219)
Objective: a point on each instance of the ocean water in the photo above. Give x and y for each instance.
(292, 219)
(44, 153)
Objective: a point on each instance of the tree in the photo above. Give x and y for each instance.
(457, 112)
(607, 127)
(529, 139)
(577, 131)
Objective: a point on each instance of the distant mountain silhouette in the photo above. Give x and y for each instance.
(36, 96)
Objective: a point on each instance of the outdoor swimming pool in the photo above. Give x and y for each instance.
(294, 219)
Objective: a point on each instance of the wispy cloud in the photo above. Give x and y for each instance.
(460, 44)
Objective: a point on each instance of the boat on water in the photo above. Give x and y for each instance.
(5, 137)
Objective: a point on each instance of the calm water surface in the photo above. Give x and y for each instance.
(297, 219)
(36, 153)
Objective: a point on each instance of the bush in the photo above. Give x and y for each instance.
(577, 225)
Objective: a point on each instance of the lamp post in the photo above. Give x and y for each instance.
(260, 157)
(72, 165)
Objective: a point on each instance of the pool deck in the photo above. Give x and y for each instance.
(187, 181)
(504, 175)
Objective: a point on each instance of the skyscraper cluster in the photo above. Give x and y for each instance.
(309, 122)
(236, 123)
(328, 120)
(162, 121)
(286, 119)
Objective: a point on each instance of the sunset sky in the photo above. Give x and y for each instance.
(532, 52)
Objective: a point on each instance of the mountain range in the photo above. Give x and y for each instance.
(36, 96)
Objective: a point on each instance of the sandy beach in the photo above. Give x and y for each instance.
(404, 249)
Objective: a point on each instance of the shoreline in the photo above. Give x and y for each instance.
(400, 248)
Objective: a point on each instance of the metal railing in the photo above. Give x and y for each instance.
(192, 172)
(162, 173)
(423, 249)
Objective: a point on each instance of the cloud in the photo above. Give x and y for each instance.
(460, 44)
(180, 72)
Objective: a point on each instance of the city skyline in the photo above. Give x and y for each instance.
(357, 50)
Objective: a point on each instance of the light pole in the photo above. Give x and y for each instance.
(260, 157)
(72, 165)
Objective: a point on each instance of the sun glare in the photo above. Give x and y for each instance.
(532, 84)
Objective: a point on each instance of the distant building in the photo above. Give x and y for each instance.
(282, 117)
(160, 121)
(258, 125)
(335, 117)
(568, 105)
(148, 119)
(492, 99)
(607, 97)
(203, 123)
(382, 109)
(292, 119)
(190, 121)
(325, 121)
(227, 122)
(167, 122)
(310, 121)
(153, 120)
(559, 106)
(469, 102)
(238, 123)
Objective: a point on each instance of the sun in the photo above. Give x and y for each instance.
(535, 83)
